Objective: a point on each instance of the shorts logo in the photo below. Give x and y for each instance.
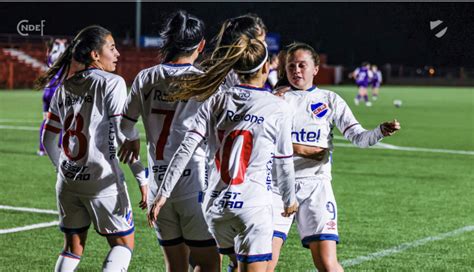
(129, 218)
(331, 225)
(319, 109)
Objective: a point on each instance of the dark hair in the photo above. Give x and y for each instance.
(181, 32)
(292, 48)
(89, 39)
(365, 63)
(232, 29)
(242, 56)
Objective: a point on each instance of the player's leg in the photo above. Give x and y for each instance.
(74, 222)
(317, 225)
(170, 238)
(253, 245)
(325, 256)
(203, 249)
(113, 218)
(281, 227)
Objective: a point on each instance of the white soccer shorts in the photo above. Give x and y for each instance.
(111, 215)
(246, 233)
(182, 220)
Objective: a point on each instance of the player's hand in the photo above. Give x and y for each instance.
(129, 151)
(144, 193)
(389, 128)
(290, 210)
(280, 91)
(155, 208)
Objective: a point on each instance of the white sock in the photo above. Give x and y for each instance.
(118, 259)
(67, 262)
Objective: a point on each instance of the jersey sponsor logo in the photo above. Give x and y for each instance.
(74, 172)
(303, 136)
(228, 199)
(319, 109)
(160, 170)
(72, 100)
(111, 142)
(234, 117)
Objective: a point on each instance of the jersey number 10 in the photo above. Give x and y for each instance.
(223, 158)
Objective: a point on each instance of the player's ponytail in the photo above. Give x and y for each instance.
(246, 57)
(182, 34)
(89, 39)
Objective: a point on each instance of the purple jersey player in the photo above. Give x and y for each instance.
(375, 82)
(362, 77)
(54, 52)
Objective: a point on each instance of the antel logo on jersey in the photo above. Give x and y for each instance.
(319, 109)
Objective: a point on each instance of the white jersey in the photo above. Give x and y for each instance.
(85, 107)
(165, 123)
(317, 112)
(246, 129)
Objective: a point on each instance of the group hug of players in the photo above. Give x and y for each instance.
(231, 163)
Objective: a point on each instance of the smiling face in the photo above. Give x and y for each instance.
(301, 69)
(106, 59)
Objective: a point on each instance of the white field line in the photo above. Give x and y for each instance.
(377, 146)
(19, 128)
(406, 148)
(404, 246)
(29, 227)
(32, 210)
(2, 120)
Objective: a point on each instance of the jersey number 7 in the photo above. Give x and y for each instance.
(165, 132)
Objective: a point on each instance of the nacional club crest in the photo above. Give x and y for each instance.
(319, 109)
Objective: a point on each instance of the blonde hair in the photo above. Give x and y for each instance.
(244, 55)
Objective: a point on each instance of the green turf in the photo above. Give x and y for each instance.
(385, 197)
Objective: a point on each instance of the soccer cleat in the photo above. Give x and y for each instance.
(40, 153)
(374, 98)
(356, 101)
(368, 104)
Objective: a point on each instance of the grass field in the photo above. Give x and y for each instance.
(400, 209)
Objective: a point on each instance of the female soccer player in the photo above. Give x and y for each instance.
(317, 112)
(247, 129)
(362, 77)
(375, 82)
(55, 49)
(90, 185)
(181, 228)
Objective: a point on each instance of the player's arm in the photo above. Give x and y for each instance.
(352, 130)
(284, 167)
(130, 147)
(115, 101)
(51, 130)
(310, 152)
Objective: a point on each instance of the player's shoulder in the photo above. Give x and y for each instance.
(106, 77)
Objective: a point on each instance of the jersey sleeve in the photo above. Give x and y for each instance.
(51, 130)
(131, 110)
(199, 129)
(283, 158)
(350, 127)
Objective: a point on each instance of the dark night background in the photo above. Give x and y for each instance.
(348, 33)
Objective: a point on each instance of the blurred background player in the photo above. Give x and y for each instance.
(316, 113)
(375, 82)
(273, 74)
(362, 77)
(54, 50)
(247, 129)
(90, 185)
(181, 228)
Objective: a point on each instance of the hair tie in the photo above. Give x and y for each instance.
(251, 71)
